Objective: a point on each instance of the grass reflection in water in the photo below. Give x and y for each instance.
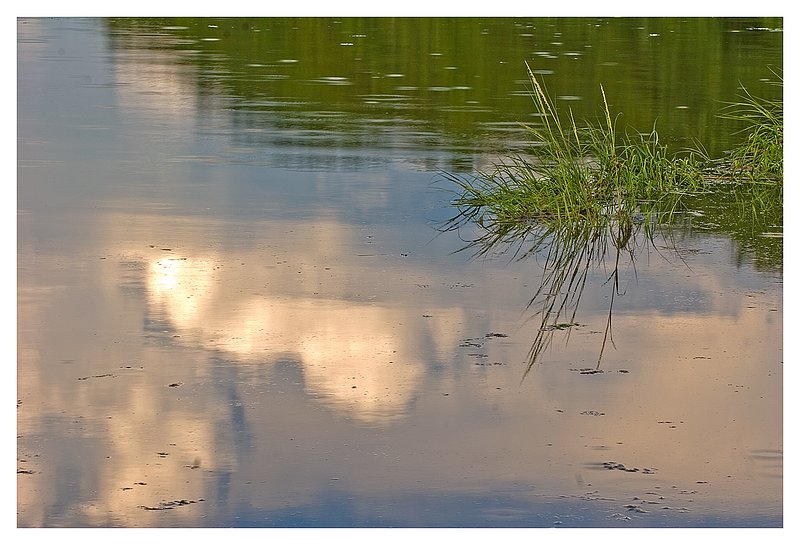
(570, 253)
(587, 195)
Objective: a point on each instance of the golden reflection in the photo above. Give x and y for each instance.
(156, 458)
(355, 355)
(352, 354)
(681, 399)
(182, 290)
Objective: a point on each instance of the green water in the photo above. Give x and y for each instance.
(464, 79)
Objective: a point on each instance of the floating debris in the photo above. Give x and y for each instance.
(593, 413)
(592, 496)
(169, 505)
(495, 335)
(670, 422)
(635, 508)
(622, 467)
(195, 465)
(588, 371)
(559, 327)
(97, 376)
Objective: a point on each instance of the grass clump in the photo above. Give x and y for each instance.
(584, 192)
(574, 173)
(754, 168)
(759, 159)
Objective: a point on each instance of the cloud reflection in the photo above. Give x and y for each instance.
(354, 354)
(223, 320)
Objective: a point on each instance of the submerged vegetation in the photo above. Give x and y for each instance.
(586, 190)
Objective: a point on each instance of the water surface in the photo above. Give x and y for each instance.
(234, 307)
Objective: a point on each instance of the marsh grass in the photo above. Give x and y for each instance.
(574, 173)
(587, 191)
(753, 170)
(583, 191)
(759, 158)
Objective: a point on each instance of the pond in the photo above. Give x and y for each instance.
(237, 307)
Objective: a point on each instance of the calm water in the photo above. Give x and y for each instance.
(234, 307)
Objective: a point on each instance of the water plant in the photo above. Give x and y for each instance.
(752, 172)
(583, 191)
(573, 172)
(759, 158)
